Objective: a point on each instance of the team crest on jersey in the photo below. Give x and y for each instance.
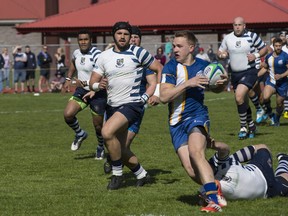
(238, 44)
(120, 63)
(82, 62)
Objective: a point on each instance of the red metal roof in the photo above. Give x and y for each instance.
(162, 14)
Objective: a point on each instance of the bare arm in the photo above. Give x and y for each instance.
(168, 92)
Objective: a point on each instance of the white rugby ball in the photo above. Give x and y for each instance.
(213, 72)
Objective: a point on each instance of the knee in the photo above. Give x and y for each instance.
(106, 133)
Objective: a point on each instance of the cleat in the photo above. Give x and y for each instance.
(78, 141)
(259, 115)
(99, 153)
(107, 165)
(285, 115)
(211, 207)
(145, 180)
(115, 183)
(221, 199)
(280, 156)
(274, 120)
(252, 133)
(242, 133)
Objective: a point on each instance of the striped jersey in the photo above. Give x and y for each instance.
(84, 63)
(239, 46)
(124, 71)
(241, 181)
(191, 103)
(277, 65)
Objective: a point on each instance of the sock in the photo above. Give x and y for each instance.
(117, 168)
(139, 171)
(33, 88)
(211, 191)
(243, 155)
(282, 166)
(250, 122)
(279, 110)
(100, 139)
(268, 107)
(242, 111)
(255, 101)
(286, 104)
(75, 126)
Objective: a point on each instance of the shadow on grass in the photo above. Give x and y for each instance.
(84, 156)
(192, 200)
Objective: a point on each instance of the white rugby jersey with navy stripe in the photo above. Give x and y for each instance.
(124, 73)
(239, 46)
(84, 63)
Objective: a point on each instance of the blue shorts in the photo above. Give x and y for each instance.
(262, 159)
(180, 132)
(280, 87)
(97, 103)
(135, 127)
(19, 75)
(131, 111)
(248, 78)
(45, 72)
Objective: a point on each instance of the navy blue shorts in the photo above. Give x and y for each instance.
(131, 111)
(97, 103)
(135, 127)
(248, 78)
(262, 159)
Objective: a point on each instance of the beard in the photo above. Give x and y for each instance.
(122, 47)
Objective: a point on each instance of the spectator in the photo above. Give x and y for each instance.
(2, 62)
(6, 68)
(44, 61)
(60, 61)
(210, 52)
(168, 47)
(203, 55)
(160, 56)
(31, 65)
(58, 82)
(20, 59)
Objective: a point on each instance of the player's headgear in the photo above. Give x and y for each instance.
(121, 25)
(136, 31)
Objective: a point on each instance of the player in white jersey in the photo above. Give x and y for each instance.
(248, 173)
(123, 66)
(244, 49)
(83, 61)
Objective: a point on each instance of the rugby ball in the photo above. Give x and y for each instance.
(213, 72)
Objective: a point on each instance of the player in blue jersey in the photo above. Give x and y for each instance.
(182, 86)
(244, 49)
(133, 130)
(277, 64)
(122, 66)
(83, 61)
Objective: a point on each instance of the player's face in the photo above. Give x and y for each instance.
(122, 39)
(277, 48)
(84, 42)
(182, 50)
(135, 40)
(238, 26)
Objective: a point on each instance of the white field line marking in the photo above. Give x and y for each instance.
(29, 111)
(216, 99)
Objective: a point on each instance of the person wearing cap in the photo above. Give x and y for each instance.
(203, 55)
(44, 60)
(148, 77)
(119, 70)
(20, 59)
(31, 65)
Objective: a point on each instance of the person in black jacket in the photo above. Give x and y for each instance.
(31, 65)
(2, 62)
(44, 61)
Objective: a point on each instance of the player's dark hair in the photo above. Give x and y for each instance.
(136, 30)
(85, 31)
(277, 40)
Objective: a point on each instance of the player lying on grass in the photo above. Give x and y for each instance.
(248, 173)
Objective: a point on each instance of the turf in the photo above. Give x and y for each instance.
(41, 176)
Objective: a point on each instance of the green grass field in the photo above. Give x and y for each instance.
(40, 175)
